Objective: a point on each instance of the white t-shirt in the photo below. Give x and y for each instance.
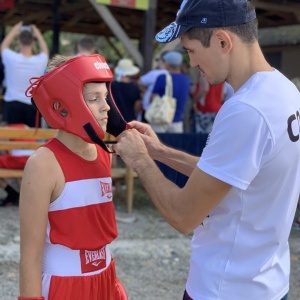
(228, 91)
(241, 250)
(18, 70)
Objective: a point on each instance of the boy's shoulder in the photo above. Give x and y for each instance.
(42, 159)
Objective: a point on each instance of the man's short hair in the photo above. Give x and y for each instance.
(87, 44)
(247, 32)
(26, 38)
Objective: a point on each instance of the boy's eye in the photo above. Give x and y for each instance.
(92, 99)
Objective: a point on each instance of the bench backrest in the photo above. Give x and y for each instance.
(31, 138)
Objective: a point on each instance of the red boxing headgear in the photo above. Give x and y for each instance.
(58, 96)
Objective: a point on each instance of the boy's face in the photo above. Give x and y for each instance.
(95, 96)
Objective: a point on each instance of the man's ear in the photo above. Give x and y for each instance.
(224, 39)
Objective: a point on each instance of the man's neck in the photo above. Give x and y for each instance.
(26, 51)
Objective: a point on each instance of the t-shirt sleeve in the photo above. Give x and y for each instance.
(159, 87)
(237, 146)
(7, 54)
(147, 78)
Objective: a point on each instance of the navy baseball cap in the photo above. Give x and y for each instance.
(206, 14)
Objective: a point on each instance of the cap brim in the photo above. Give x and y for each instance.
(171, 32)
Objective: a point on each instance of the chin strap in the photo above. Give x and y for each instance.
(95, 138)
(114, 131)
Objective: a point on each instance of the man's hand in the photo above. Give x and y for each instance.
(16, 29)
(36, 32)
(14, 32)
(143, 128)
(149, 137)
(131, 147)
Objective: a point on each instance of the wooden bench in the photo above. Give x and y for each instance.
(41, 135)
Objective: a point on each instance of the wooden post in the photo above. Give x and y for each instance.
(147, 42)
(55, 28)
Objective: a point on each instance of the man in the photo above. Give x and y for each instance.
(172, 61)
(19, 67)
(125, 90)
(207, 100)
(86, 46)
(241, 195)
(147, 82)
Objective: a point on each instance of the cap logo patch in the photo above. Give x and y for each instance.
(101, 65)
(166, 34)
(204, 20)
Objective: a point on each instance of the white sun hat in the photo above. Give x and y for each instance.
(125, 67)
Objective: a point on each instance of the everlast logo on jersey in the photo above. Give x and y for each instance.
(106, 189)
(92, 260)
(293, 128)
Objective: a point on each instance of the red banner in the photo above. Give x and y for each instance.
(6, 4)
(126, 3)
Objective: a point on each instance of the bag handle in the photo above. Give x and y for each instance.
(169, 85)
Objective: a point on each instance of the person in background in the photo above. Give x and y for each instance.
(86, 46)
(125, 90)
(188, 110)
(172, 61)
(14, 159)
(67, 217)
(147, 82)
(2, 88)
(19, 67)
(241, 195)
(207, 101)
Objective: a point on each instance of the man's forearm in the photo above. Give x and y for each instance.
(8, 40)
(163, 193)
(177, 160)
(42, 43)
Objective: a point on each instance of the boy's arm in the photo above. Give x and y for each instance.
(35, 194)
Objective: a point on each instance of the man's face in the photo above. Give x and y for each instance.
(210, 61)
(95, 96)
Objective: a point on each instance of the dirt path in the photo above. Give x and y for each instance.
(151, 257)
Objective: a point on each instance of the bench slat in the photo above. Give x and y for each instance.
(27, 133)
(10, 145)
(10, 173)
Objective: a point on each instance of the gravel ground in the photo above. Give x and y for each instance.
(151, 257)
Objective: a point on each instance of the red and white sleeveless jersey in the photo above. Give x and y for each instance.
(81, 221)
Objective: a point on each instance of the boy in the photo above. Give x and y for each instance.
(67, 216)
